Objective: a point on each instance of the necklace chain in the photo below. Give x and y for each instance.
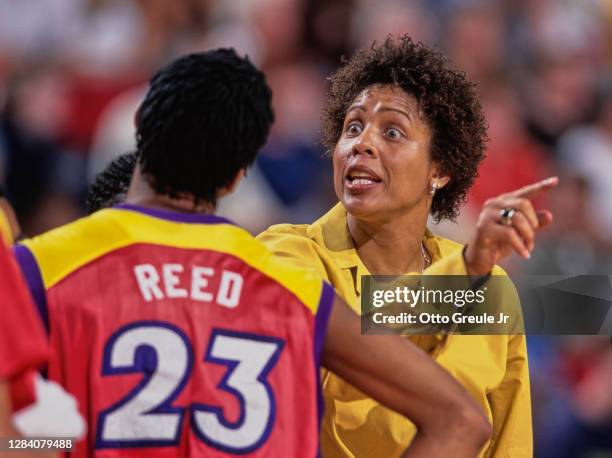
(426, 257)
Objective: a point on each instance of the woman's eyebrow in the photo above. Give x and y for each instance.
(397, 110)
(360, 107)
(356, 107)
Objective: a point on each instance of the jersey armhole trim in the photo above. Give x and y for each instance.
(320, 331)
(33, 278)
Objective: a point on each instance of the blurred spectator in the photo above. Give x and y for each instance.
(571, 245)
(588, 150)
(559, 48)
(583, 427)
(31, 28)
(328, 29)
(513, 158)
(43, 179)
(373, 21)
(471, 26)
(116, 36)
(280, 28)
(557, 94)
(292, 161)
(115, 130)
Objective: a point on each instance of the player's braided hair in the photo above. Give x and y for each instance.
(204, 118)
(111, 185)
(446, 98)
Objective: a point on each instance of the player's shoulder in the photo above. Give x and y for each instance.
(62, 250)
(98, 228)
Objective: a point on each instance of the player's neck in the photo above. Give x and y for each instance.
(140, 193)
(164, 202)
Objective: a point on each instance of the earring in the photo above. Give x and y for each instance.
(434, 188)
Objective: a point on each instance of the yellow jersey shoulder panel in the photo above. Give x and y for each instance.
(65, 249)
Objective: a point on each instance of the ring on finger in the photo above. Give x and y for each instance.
(506, 215)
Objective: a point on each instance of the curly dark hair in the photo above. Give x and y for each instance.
(111, 184)
(446, 98)
(205, 116)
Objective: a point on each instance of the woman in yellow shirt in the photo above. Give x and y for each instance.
(407, 135)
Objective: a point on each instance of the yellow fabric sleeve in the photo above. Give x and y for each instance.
(294, 248)
(511, 406)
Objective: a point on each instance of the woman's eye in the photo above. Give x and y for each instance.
(393, 133)
(353, 129)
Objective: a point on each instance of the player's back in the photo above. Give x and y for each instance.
(180, 335)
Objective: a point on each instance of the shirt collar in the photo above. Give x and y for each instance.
(331, 231)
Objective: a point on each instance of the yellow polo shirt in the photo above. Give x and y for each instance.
(493, 368)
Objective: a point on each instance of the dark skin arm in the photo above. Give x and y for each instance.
(5, 411)
(402, 377)
(5, 207)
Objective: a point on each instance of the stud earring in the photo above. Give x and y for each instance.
(434, 188)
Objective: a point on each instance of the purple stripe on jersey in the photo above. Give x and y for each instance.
(33, 277)
(179, 217)
(320, 331)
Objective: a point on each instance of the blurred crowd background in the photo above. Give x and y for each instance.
(72, 73)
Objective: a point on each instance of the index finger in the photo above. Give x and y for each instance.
(535, 189)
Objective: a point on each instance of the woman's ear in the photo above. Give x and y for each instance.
(437, 181)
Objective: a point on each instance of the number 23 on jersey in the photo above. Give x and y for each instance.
(146, 417)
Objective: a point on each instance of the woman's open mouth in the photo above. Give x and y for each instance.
(360, 178)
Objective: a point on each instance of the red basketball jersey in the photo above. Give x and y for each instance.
(180, 335)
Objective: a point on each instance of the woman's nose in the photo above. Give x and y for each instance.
(364, 144)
